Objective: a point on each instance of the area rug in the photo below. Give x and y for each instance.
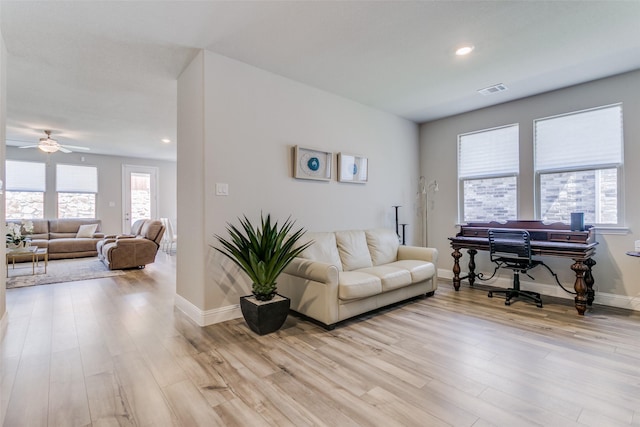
(64, 270)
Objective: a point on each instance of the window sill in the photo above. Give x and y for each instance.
(612, 231)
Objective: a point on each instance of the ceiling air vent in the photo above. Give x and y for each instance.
(493, 89)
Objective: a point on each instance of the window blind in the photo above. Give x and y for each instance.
(577, 140)
(488, 153)
(25, 176)
(76, 179)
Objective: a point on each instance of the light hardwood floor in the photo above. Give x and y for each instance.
(115, 352)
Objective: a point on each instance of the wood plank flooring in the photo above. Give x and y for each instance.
(115, 352)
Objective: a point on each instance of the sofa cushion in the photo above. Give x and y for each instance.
(390, 277)
(383, 245)
(70, 225)
(70, 245)
(420, 270)
(324, 248)
(353, 249)
(40, 228)
(86, 230)
(355, 284)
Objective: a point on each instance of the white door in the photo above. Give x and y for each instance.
(140, 194)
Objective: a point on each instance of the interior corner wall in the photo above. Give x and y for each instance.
(615, 273)
(191, 213)
(252, 120)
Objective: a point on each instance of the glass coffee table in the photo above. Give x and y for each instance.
(34, 252)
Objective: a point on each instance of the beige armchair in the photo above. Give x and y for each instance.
(132, 250)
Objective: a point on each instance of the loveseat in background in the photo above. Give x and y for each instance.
(347, 273)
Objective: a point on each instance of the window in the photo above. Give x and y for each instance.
(488, 174)
(26, 184)
(77, 187)
(578, 164)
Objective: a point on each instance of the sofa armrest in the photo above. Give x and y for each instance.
(418, 253)
(99, 235)
(125, 236)
(313, 270)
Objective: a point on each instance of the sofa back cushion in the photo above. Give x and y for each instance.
(383, 245)
(353, 250)
(136, 227)
(68, 227)
(40, 228)
(152, 230)
(323, 249)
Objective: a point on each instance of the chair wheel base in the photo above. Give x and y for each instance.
(517, 293)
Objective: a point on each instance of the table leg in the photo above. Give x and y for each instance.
(589, 281)
(581, 289)
(456, 268)
(472, 266)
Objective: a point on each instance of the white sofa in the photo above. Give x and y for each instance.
(347, 273)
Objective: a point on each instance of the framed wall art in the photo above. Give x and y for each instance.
(311, 164)
(352, 168)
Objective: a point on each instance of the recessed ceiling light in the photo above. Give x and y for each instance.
(464, 50)
(165, 140)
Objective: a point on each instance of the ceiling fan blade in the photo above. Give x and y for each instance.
(75, 147)
(64, 150)
(28, 146)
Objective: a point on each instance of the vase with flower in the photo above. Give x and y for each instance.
(19, 234)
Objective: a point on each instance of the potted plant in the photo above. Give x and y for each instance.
(263, 252)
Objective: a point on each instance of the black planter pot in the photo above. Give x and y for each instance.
(264, 317)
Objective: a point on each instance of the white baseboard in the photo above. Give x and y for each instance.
(552, 289)
(207, 317)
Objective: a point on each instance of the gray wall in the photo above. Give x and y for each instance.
(616, 273)
(237, 125)
(109, 183)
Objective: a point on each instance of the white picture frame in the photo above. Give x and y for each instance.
(353, 168)
(309, 163)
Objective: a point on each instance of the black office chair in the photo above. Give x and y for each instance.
(512, 249)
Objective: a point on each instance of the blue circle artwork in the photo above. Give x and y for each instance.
(355, 169)
(313, 164)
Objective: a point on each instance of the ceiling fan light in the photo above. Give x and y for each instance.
(48, 148)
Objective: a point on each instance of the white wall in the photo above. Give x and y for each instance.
(3, 115)
(109, 183)
(252, 119)
(616, 273)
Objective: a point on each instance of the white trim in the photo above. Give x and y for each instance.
(613, 231)
(607, 299)
(3, 328)
(208, 317)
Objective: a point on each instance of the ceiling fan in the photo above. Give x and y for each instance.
(50, 145)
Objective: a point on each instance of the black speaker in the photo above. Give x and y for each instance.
(577, 221)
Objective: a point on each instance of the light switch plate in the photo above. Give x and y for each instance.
(222, 189)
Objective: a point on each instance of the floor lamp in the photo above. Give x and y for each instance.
(424, 189)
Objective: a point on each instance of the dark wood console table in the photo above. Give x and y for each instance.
(556, 240)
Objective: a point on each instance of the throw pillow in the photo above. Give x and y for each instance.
(87, 230)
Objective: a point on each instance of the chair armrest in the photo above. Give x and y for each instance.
(313, 270)
(110, 236)
(99, 235)
(107, 240)
(418, 253)
(125, 236)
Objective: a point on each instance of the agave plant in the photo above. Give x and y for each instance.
(262, 252)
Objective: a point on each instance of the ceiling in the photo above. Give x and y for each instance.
(103, 74)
